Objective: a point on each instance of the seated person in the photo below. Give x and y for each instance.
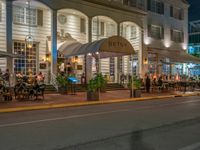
(40, 78)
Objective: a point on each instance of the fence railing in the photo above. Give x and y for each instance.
(53, 81)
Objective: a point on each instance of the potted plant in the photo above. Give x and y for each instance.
(135, 87)
(62, 83)
(95, 85)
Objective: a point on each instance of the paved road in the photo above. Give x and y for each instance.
(170, 124)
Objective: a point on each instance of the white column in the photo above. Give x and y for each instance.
(142, 55)
(54, 42)
(88, 59)
(117, 75)
(9, 16)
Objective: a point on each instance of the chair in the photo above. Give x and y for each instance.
(21, 91)
(40, 91)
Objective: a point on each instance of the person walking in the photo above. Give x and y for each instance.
(148, 84)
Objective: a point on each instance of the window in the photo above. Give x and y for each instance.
(177, 36)
(140, 4)
(21, 16)
(126, 2)
(177, 13)
(82, 25)
(133, 32)
(26, 64)
(155, 31)
(110, 29)
(102, 25)
(156, 6)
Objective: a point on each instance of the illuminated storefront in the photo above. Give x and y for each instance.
(54, 25)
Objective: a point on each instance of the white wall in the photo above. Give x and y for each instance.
(168, 23)
(39, 33)
(3, 33)
(108, 32)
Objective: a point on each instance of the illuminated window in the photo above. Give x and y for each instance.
(27, 63)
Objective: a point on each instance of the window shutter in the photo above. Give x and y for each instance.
(149, 30)
(162, 5)
(40, 17)
(172, 35)
(182, 14)
(171, 11)
(148, 4)
(182, 37)
(82, 25)
(162, 33)
(0, 11)
(102, 25)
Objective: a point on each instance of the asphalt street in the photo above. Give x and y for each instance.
(167, 124)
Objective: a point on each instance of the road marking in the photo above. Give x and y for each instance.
(62, 118)
(191, 147)
(94, 114)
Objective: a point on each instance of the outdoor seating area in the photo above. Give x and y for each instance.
(181, 86)
(25, 91)
(25, 88)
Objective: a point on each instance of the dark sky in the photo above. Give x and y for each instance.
(194, 10)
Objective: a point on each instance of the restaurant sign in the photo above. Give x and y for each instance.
(117, 44)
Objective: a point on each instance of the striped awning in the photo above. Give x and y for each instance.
(175, 56)
(109, 47)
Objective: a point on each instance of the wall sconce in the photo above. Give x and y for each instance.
(47, 57)
(145, 61)
(75, 59)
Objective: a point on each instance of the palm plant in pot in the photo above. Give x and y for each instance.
(62, 81)
(135, 87)
(95, 85)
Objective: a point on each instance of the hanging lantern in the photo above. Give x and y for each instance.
(29, 41)
(29, 37)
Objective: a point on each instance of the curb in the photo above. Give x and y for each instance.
(51, 106)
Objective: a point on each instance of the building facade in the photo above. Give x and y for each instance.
(151, 26)
(194, 46)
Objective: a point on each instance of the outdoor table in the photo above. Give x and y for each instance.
(73, 81)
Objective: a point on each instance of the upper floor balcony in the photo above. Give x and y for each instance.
(132, 5)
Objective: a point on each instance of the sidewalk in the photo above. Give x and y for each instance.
(58, 100)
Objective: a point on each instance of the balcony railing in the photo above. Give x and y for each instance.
(139, 4)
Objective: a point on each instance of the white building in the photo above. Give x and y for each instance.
(151, 26)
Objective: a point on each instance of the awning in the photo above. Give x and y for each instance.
(108, 47)
(6, 54)
(175, 56)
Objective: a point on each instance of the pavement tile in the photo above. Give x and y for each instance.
(59, 100)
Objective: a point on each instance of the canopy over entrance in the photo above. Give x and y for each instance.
(6, 54)
(178, 56)
(109, 47)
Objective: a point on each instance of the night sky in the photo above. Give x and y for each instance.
(194, 10)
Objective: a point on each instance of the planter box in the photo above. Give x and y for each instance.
(92, 96)
(135, 93)
(62, 90)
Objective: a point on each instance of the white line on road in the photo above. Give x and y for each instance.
(93, 114)
(191, 147)
(62, 118)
